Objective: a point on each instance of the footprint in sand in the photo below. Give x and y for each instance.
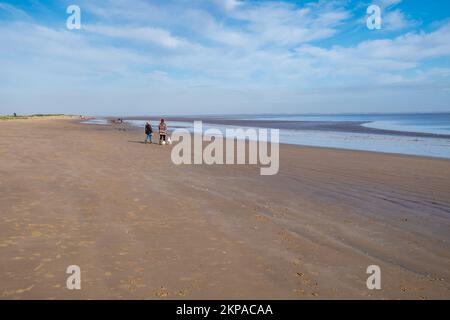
(162, 292)
(38, 267)
(181, 293)
(36, 234)
(86, 243)
(261, 218)
(20, 291)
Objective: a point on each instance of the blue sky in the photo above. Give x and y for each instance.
(135, 57)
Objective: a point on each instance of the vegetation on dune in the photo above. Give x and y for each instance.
(39, 115)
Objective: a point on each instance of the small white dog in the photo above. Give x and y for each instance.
(163, 142)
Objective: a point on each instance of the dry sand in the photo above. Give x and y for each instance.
(141, 227)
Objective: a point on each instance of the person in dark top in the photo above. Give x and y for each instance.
(148, 132)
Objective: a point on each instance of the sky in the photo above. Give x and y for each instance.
(149, 57)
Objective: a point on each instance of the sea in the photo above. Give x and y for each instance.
(420, 134)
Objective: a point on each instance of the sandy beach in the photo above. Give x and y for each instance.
(140, 227)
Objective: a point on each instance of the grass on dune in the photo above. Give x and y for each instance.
(11, 117)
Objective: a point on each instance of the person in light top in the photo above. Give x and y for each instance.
(162, 131)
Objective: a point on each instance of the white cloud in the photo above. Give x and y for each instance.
(388, 3)
(285, 24)
(396, 20)
(259, 47)
(261, 52)
(377, 61)
(12, 11)
(227, 4)
(141, 34)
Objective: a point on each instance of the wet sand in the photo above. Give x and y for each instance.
(329, 126)
(142, 228)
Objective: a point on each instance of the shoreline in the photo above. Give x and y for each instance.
(136, 128)
(324, 126)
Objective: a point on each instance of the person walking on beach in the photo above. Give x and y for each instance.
(162, 131)
(148, 132)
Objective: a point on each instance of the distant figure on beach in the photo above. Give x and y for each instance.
(162, 131)
(148, 132)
